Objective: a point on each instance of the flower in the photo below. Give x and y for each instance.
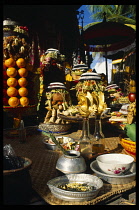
(117, 171)
(123, 168)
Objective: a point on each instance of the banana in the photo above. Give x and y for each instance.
(83, 105)
(90, 97)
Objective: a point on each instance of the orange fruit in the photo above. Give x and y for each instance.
(132, 89)
(10, 62)
(23, 72)
(22, 82)
(24, 101)
(12, 82)
(11, 72)
(21, 62)
(23, 91)
(12, 91)
(13, 101)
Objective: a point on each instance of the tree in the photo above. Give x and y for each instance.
(125, 14)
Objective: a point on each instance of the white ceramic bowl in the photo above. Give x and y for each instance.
(114, 164)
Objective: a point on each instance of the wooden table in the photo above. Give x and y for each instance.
(44, 161)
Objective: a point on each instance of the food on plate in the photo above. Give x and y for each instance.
(118, 117)
(67, 143)
(77, 187)
(116, 113)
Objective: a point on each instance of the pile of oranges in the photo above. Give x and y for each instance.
(15, 82)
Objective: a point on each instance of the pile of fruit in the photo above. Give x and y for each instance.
(129, 142)
(15, 82)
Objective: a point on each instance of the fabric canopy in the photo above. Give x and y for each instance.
(114, 34)
(105, 33)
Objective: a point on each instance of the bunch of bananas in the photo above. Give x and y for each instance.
(91, 103)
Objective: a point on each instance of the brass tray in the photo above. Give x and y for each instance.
(79, 118)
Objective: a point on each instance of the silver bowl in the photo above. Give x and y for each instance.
(74, 195)
(53, 146)
(72, 163)
(49, 146)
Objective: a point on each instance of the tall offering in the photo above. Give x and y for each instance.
(91, 100)
(57, 102)
(19, 63)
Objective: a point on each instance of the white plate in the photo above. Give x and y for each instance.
(121, 179)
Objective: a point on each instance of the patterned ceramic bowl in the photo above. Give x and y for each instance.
(114, 163)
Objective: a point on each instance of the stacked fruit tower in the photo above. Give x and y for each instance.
(18, 69)
(16, 93)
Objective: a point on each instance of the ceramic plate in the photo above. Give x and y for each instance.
(113, 179)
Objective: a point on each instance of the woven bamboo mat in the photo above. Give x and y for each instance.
(44, 168)
(107, 191)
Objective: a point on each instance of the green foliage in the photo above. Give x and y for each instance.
(130, 130)
(117, 13)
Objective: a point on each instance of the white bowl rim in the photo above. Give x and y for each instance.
(112, 154)
(108, 175)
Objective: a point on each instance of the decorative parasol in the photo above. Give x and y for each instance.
(115, 34)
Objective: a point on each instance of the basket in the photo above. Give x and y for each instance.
(17, 185)
(128, 145)
(55, 128)
(27, 165)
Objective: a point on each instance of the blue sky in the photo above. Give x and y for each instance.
(98, 64)
(87, 14)
(87, 19)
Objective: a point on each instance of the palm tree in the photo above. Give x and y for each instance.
(125, 14)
